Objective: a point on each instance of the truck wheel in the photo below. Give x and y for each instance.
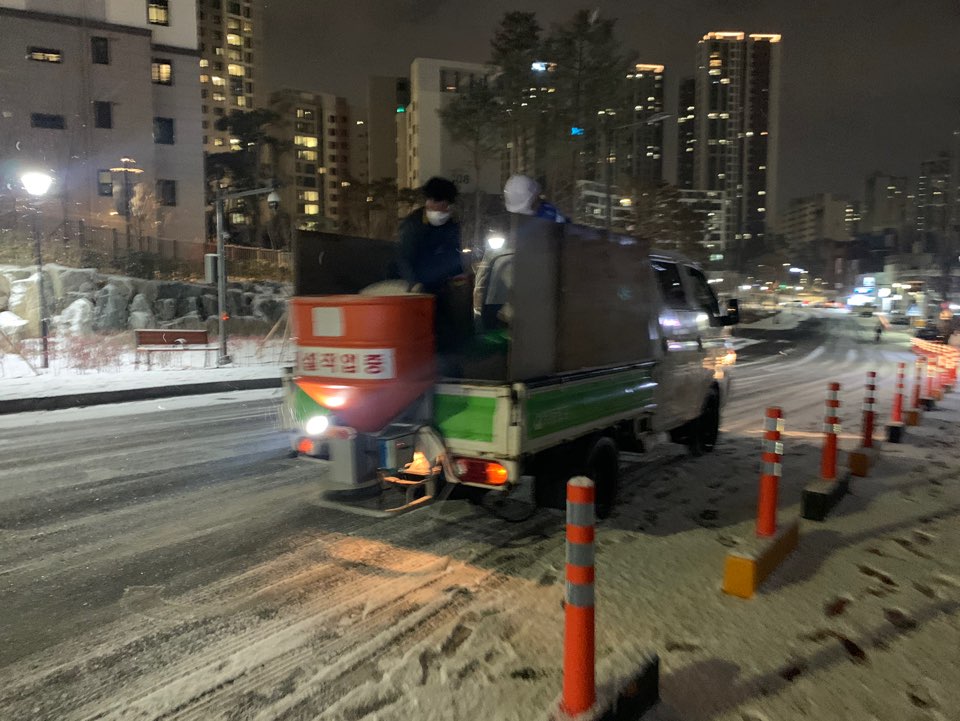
(603, 468)
(706, 428)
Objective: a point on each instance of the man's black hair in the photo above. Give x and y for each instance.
(440, 189)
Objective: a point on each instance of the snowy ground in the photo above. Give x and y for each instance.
(196, 577)
(110, 365)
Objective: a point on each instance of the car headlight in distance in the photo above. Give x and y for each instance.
(316, 425)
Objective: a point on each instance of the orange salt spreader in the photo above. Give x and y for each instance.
(365, 366)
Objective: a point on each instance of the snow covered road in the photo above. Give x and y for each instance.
(166, 560)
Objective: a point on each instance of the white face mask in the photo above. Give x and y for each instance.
(437, 217)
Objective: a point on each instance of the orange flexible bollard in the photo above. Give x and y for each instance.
(918, 371)
(868, 412)
(772, 469)
(931, 373)
(831, 427)
(579, 677)
(896, 415)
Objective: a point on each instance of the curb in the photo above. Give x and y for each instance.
(96, 398)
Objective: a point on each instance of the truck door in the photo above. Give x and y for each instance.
(683, 357)
(709, 329)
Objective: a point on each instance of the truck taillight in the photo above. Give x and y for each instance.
(477, 470)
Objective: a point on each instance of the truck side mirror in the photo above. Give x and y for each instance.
(733, 312)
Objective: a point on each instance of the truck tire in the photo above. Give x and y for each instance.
(598, 459)
(705, 429)
(603, 468)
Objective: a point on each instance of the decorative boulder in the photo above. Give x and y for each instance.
(76, 319)
(110, 311)
(166, 309)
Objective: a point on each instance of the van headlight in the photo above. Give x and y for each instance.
(316, 425)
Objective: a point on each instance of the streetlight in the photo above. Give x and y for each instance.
(273, 200)
(37, 184)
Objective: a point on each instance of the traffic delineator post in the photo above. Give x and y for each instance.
(914, 414)
(940, 383)
(746, 568)
(820, 496)
(580, 701)
(927, 401)
(896, 425)
(863, 459)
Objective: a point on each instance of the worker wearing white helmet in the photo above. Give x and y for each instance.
(521, 195)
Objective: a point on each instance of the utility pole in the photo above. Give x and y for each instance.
(223, 358)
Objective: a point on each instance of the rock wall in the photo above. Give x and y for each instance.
(81, 301)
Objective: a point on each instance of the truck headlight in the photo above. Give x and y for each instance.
(316, 425)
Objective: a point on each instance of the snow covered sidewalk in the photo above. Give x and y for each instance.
(117, 377)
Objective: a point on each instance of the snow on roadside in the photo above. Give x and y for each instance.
(17, 380)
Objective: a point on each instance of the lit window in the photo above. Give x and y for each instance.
(241, 101)
(218, 142)
(312, 196)
(44, 55)
(161, 72)
(217, 80)
(158, 12)
(204, 63)
(311, 209)
(235, 70)
(204, 78)
(307, 141)
(234, 39)
(306, 155)
(219, 97)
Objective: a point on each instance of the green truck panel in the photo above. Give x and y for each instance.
(557, 408)
(466, 417)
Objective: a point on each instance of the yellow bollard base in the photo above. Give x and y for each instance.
(745, 570)
(913, 417)
(863, 459)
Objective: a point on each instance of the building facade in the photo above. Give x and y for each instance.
(427, 147)
(885, 203)
(815, 218)
(932, 201)
(711, 207)
(314, 168)
(230, 40)
(737, 126)
(686, 133)
(105, 96)
(386, 98)
(641, 144)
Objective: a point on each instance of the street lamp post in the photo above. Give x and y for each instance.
(126, 168)
(223, 358)
(37, 184)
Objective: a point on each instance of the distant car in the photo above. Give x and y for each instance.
(899, 319)
(931, 333)
(866, 312)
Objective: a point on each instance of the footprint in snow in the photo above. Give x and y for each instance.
(880, 575)
(899, 619)
(836, 607)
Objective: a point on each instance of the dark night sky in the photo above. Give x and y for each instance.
(867, 84)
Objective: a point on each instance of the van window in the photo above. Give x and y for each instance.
(671, 287)
(703, 294)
